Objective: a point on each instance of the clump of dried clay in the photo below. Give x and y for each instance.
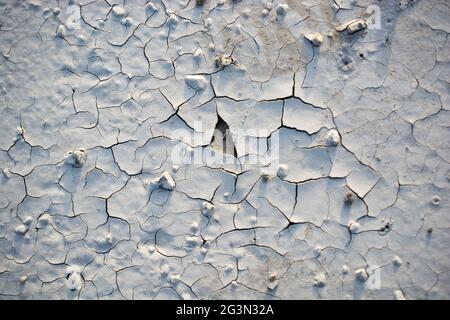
(332, 138)
(21, 229)
(361, 275)
(223, 61)
(345, 269)
(397, 261)
(282, 170)
(349, 198)
(78, 158)
(164, 181)
(273, 281)
(61, 31)
(118, 11)
(281, 9)
(6, 173)
(316, 39)
(352, 26)
(320, 280)
(208, 209)
(43, 221)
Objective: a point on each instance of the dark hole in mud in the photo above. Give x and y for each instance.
(222, 140)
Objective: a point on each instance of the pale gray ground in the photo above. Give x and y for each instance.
(131, 72)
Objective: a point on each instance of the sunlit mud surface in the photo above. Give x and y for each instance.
(106, 105)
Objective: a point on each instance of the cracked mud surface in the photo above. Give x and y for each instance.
(93, 207)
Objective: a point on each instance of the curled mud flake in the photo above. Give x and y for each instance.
(316, 39)
(356, 26)
(223, 61)
(430, 230)
(172, 20)
(21, 229)
(19, 131)
(352, 26)
(166, 181)
(174, 278)
(208, 209)
(56, 11)
(282, 171)
(43, 221)
(282, 9)
(78, 158)
(273, 281)
(349, 198)
(208, 23)
(332, 138)
(61, 31)
(175, 168)
(269, 6)
(198, 54)
(119, 11)
(354, 227)
(127, 21)
(23, 279)
(151, 249)
(6, 173)
(199, 2)
(196, 82)
(397, 261)
(264, 12)
(436, 200)
(109, 238)
(361, 275)
(151, 7)
(399, 295)
(320, 280)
